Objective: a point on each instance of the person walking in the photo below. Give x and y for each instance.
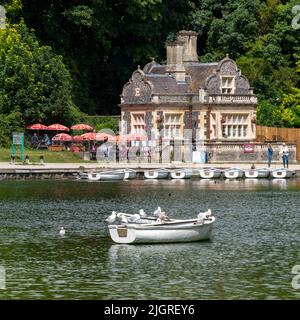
(270, 155)
(285, 155)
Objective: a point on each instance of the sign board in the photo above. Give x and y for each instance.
(248, 148)
(18, 138)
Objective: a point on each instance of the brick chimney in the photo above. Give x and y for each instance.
(175, 60)
(189, 39)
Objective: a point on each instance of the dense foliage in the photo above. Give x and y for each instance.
(35, 85)
(103, 41)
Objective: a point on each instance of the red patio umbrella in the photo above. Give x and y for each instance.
(57, 127)
(82, 126)
(92, 136)
(89, 136)
(37, 126)
(77, 138)
(62, 137)
(103, 136)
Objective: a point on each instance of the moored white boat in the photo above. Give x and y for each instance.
(210, 173)
(152, 230)
(233, 173)
(181, 173)
(257, 173)
(281, 173)
(130, 174)
(106, 175)
(156, 174)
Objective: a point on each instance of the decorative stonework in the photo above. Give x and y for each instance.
(127, 119)
(160, 120)
(227, 67)
(195, 118)
(213, 84)
(137, 90)
(195, 121)
(148, 123)
(241, 85)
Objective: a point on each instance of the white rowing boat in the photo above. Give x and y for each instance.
(233, 173)
(106, 175)
(158, 230)
(181, 173)
(210, 173)
(257, 173)
(156, 174)
(281, 173)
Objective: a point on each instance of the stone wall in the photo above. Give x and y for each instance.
(235, 153)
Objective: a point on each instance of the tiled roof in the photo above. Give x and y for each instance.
(164, 83)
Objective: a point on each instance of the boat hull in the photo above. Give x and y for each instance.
(161, 233)
(130, 174)
(181, 174)
(257, 173)
(233, 173)
(209, 173)
(281, 173)
(106, 176)
(156, 174)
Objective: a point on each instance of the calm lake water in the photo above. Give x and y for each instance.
(256, 240)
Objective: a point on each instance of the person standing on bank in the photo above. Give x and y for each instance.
(285, 155)
(270, 155)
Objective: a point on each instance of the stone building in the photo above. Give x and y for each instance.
(213, 99)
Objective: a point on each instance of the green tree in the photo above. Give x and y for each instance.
(35, 85)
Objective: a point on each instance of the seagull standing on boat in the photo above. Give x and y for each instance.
(135, 217)
(208, 213)
(142, 213)
(157, 211)
(201, 215)
(112, 218)
(162, 217)
(62, 231)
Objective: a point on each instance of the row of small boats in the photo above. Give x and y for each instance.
(204, 173)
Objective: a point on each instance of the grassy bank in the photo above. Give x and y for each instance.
(49, 156)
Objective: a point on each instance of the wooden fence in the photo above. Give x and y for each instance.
(272, 134)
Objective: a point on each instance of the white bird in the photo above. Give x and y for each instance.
(120, 215)
(124, 219)
(208, 213)
(112, 218)
(162, 216)
(157, 211)
(142, 213)
(62, 231)
(134, 217)
(201, 215)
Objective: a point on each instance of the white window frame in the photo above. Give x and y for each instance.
(235, 126)
(172, 129)
(138, 122)
(228, 88)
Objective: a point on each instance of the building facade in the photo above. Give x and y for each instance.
(213, 100)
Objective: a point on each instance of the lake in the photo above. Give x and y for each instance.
(255, 244)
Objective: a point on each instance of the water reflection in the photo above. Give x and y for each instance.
(255, 240)
(282, 183)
